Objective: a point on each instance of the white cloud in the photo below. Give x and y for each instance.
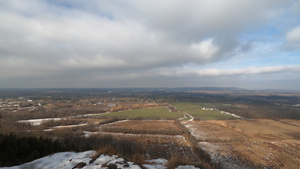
(205, 49)
(293, 38)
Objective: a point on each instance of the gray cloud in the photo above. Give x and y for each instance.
(46, 41)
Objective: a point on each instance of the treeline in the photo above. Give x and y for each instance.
(264, 111)
(18, 150)
(15, 151)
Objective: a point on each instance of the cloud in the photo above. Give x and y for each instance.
(293, 39)
(103, 40)
(205, 49)
(231, 72)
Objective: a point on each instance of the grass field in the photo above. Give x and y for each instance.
(195, 109)
(157, 113)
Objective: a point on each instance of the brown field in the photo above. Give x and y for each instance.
(291, 122)
(166, 127)
(150, 138)
(210, 131)
(264, 129)
(249, 143)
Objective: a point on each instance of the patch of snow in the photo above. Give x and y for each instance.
(66, 126)
(156, 163)
(103, 159)
(185, 116)
(240, 117)
(192, 117)
(85, 115)
(37, 122)
(48, 130)
(199, 135)
(64, 160)
(88, 133)
(70, 126)
(296, 105)
(68, 160)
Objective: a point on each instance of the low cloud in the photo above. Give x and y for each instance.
(231, 72)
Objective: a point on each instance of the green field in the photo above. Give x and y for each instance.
(195, 109)
(157, 113)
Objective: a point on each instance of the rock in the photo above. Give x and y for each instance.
(112, 166)
(80, 165)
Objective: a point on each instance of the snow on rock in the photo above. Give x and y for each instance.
(65, 160)
(156, 164)
(89, 160)
(68, 160)
(160, 163)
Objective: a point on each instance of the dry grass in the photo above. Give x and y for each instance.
(213, 132)
(261, 142)
(291, 122)
(144, 127)
(179, 160)
(149, 138)
(264, 129)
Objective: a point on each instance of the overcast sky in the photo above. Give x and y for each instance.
(252, 44)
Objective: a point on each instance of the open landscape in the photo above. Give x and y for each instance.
(200, 131)
(141, 84)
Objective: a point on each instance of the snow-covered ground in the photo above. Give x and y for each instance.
(37, 122)
(68, 160)
(236, 116)
(198, 134)
(67, 126)
(191, 117)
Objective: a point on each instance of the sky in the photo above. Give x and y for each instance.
(253, 44)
